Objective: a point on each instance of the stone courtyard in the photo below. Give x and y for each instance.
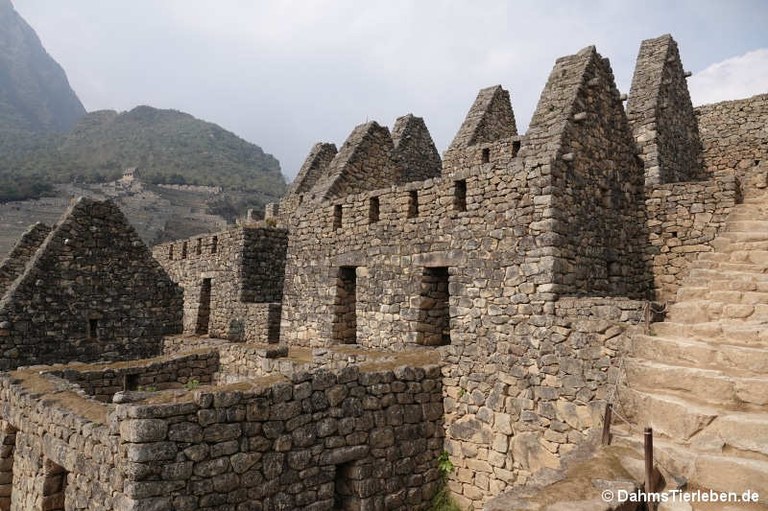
(403, 326)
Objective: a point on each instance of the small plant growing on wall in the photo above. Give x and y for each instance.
(443, 500)
(192, 384)
(147, 388)
(444, 464)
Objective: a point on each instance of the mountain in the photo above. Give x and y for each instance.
(48, 142)
(34, 92)
(168, 146)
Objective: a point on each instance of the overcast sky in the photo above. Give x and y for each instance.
(286, 74)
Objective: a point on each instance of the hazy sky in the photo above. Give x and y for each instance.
(285, 74)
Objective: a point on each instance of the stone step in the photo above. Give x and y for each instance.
(706, 429)
(712, 471)
(672, 416)
(758, 257)
(709, 355)
(699, 287)
(702, 386)
(729, 266)
(740, 333)
(702, 311)
(715, 292)
(721, 244)
(581, 487)
(744, 236)
(698, 275)
(747, 213)
(747, 226)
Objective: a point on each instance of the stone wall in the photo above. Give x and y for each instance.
(64, 433)
(22, 252)
(91, 291)
(683, 219)
(357, 438)
(415, 150)
(488, 134)
(524, 403)
(661, 114)
(735, 137)
(314, 167)
(527, 367)
(366, 161)
(483, 247)
(103, 381)
(232, 281)
(592, 225)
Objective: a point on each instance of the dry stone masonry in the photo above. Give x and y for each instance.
(91, 290)
(660, 111)
(396, 311)
(356, 438)
(232, 281)
(733, 134)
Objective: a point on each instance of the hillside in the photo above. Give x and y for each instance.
(168, 146)
(35, 95)
(47, 139)
(157, 212)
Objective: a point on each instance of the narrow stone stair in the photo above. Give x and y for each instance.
(700, 378)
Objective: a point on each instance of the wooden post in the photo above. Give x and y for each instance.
(607, 424)
(648, 442)
(647, 318)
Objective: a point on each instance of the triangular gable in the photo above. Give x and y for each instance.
(92, 288)
(13, 265)
(415, 149)
(489, 119)
(315, 165)
(661, 114)
(365, 162)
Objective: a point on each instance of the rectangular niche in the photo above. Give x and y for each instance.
(373, 210)
(413, 204)
(460, 195)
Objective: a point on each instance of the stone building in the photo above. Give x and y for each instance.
(84, 290)
(232, 281)
(395, 309)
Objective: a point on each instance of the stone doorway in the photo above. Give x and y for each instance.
(344, 329)
(204, 308)
(344, 495)
(434, 326)
(7, 451)
(54, 486)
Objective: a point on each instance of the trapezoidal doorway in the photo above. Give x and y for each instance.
(344, 329)
(434, 326)
(204, 309)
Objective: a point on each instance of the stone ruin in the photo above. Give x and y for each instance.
(402, 326)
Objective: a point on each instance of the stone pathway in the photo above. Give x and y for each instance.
(700, 379)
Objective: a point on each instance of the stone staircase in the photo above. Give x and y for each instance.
(700, 379)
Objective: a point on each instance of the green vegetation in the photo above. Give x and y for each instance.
(167, 146)
(444, 464)
(443, 501)
(192, 384)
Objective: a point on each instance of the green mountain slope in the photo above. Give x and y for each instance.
(168, 146)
